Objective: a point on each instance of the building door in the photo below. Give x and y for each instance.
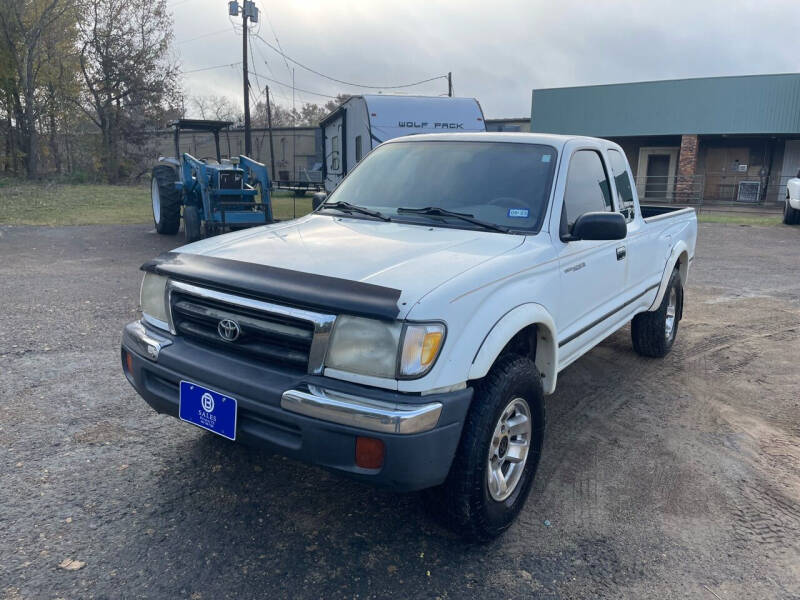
(655, 173)
(657, 176)
(722, 172)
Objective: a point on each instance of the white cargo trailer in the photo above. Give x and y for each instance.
(363, 122)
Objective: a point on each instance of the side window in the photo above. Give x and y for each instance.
(358, 148)
(587, 186)
(623, 184)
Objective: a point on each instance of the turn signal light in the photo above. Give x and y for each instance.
(369, 453)
(129, 362)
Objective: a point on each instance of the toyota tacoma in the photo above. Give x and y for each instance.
(406, 332)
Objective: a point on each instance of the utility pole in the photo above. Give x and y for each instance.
(248, 145)
(249, 11)
(450, 83)
(271, 147)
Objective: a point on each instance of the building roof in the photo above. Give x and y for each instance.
(751, 104)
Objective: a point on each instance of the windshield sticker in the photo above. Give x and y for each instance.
(546, 157)
(518, 213)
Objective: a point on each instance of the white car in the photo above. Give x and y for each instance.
(791, 207)
(405, 333)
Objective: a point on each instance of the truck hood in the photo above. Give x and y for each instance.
(414, 259)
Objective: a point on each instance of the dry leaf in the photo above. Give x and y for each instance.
(71, 565)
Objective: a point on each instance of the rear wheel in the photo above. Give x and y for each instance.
(653, 332)
(791, 216)
(498, 454)
(166, 200)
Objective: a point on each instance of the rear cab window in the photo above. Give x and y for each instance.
(622, 182)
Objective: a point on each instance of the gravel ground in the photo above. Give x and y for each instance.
(674, 478)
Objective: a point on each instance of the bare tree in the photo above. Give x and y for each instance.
(217, 108)
(129, 77)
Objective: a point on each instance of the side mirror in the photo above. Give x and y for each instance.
(599, 226)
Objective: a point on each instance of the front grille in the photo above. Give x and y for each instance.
(264, 336)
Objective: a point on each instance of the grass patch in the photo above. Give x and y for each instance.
(739, 219)
(56, 204)
(23, 203)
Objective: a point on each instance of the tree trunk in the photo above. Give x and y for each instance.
(54, 142)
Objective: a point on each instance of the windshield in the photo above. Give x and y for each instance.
(505, 184)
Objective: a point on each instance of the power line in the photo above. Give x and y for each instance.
(211, 68)
(289, 85)
(200, 37)
(360, 85)
(277, 41)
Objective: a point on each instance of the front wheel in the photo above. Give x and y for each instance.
(498, 454)
(191, 224)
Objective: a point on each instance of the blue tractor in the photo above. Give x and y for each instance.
(214, 194)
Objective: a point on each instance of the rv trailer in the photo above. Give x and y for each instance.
(362, 122)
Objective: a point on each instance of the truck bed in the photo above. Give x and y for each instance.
(651, 212)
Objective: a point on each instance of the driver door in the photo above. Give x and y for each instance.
(592, 272)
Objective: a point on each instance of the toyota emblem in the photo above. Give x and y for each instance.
(228, 330)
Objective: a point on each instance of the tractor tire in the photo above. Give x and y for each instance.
(653, 332)
(791, 216)
(498, 453)
(192, 230)
(166, 200)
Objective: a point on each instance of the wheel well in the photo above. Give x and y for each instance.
(523, 343)
(683, 266)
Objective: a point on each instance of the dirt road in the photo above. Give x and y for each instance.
(677, 478)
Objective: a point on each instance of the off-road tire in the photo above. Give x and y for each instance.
(192, 230)
(169, 200)
(463, 502)
(791, 216)
(648, 328)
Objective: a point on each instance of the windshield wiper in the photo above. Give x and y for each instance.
(437, 211)
(346, 206)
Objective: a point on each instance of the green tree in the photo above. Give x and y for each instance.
(28, 29)
(129, 78)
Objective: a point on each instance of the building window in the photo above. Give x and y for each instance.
(358, 148)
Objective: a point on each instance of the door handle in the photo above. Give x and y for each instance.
(622, 252)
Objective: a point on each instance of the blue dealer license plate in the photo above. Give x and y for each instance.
(208, 409)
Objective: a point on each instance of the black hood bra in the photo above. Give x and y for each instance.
(273, 284)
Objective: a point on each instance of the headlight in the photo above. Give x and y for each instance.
(364, 346)
(371, 347)
(153, 301)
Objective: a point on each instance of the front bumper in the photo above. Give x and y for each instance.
(307, 417)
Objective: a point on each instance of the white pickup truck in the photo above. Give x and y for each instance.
(791, 207)
(406, 331)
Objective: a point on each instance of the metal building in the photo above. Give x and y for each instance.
(716, 139)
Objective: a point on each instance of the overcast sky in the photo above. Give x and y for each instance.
(498, 51)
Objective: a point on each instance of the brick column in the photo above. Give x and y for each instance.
(686, 188)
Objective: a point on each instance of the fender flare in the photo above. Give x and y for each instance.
(680, 252)
(506, 328)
